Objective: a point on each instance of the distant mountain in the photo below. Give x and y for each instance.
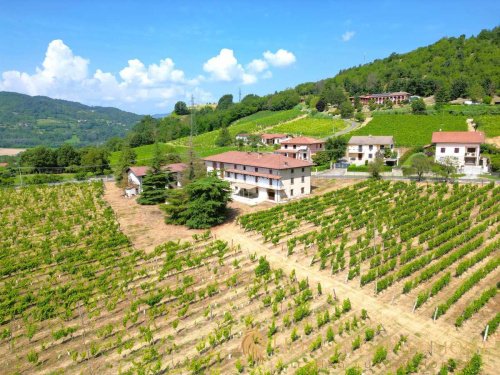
(160, 115)
(27, 121)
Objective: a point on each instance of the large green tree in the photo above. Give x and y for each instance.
(336, 147)
(224, 138)
(154, 188)
(181, 108)
(95, 160)
(127, 158)
(225, 102)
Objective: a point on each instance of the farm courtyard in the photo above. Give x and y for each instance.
(380, 276)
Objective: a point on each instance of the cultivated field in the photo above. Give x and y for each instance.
(412, 130)
(76, 297)
(313, 127)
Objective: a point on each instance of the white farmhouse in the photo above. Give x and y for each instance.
(257, 177)
(302, 148)
(135, 176)
(463, 149)
(362, 150)
(273, 139)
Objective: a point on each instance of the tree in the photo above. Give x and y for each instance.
(420, 164)
(476, 125)
(224, 138)
(321, 105)
(154, 188)
(446, 167)
(127, 158)
(336, 147)
(181, 108)
(321, 158)
(95, 160)
(158, 158)
(441, 96)
(418, 106)
(375, 167)
(40, 158)
(346, 109)
(359, 117)
(372, 105)
(201, 204)
(476, 92)
(357, 104)
(67, 155)
(458, 89)
(388, 103)
(225, 102)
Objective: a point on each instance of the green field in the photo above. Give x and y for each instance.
(412, 130)
(204, 144)
(490, 125)
(309, 126)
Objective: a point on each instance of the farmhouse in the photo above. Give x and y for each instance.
(463, 149)
(395, 97)
(302, 148)
(363, 149)
(273, 139)
(136, 174)
(256, 177)
(242, 137)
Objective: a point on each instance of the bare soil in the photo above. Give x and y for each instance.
(11, 151)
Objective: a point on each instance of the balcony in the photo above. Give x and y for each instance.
(471, 154)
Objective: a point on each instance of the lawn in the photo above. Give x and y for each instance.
(490, 125)
(309, 126)
(412, 130)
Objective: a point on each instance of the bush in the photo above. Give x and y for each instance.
(380, 355)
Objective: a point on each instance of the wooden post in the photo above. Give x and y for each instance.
(430, 352)
(414, 306)
(435, 313)
(486, 332)
(335, 295)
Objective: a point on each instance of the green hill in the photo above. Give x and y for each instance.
(27, 121)
(461, 66)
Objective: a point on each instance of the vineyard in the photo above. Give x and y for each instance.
(76, 297)
(412, 130)
(313, 127)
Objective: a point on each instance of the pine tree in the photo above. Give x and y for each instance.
(127, 158)
(158, 158)
(154, 188)
(224, 138)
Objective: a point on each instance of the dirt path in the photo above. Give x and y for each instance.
(144, 225)
(440, 335)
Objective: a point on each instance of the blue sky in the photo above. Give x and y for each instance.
(143, 56)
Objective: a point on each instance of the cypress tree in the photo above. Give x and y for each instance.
(154, 188)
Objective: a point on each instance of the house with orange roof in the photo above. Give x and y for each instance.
(256, 177)
(302, 148)
(273, 139)
(463, 149)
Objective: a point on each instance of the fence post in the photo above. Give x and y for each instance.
(486, 332)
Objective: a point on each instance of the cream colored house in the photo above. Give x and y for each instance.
(362, 150)
(302, 148)
(257, 177)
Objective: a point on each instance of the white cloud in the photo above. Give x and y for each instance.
(224, 66)
(257, 66)
(348, 35)
(280, 58)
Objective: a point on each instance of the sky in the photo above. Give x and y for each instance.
(143, 56)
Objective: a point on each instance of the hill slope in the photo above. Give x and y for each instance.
(463, 66)
(27, 121)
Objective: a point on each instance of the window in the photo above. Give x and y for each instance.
(291, 181)
(303, 179)
(286, 146)
(244, 177)
(256, 179)
(370, 156)
(256, 169)
(234, 166)
(469, 149)
(244, 167)
(301, 190)
(442, 150)
(456, 150)
(320, 145)
(270, 182)
(305, 156)
(370, 147)
(270, 171)
(294, 147)
(292, 170)
(303, 169)
(291, 192)
(360, 148)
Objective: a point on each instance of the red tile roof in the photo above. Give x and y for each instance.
(255, 159)
(176, 167)
(302, 141)
(458, 137)
(139, 171)
(273, 136)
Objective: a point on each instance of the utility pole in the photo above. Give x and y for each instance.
(191, 174)
(239, 94)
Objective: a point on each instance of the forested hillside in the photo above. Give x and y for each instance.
(462, 66)
(27, 121)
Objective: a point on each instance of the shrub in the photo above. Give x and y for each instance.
(380, 355)
(369, 334)
(356, 343)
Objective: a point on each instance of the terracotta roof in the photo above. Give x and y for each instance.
(176, 167)
(139, 171)
(458, 137)
(273, 136)
(255, 159)
(252, 173)
(302, 141)
(371, 140)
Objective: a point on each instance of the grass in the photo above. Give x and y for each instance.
(309, 126)
(204, 144)
(412, 130)
(490, 125)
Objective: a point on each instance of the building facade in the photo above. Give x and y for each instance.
(362, 150)
(395, 97)
(301, 148)
(462, 149)
(273, 139)
(257, 177)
